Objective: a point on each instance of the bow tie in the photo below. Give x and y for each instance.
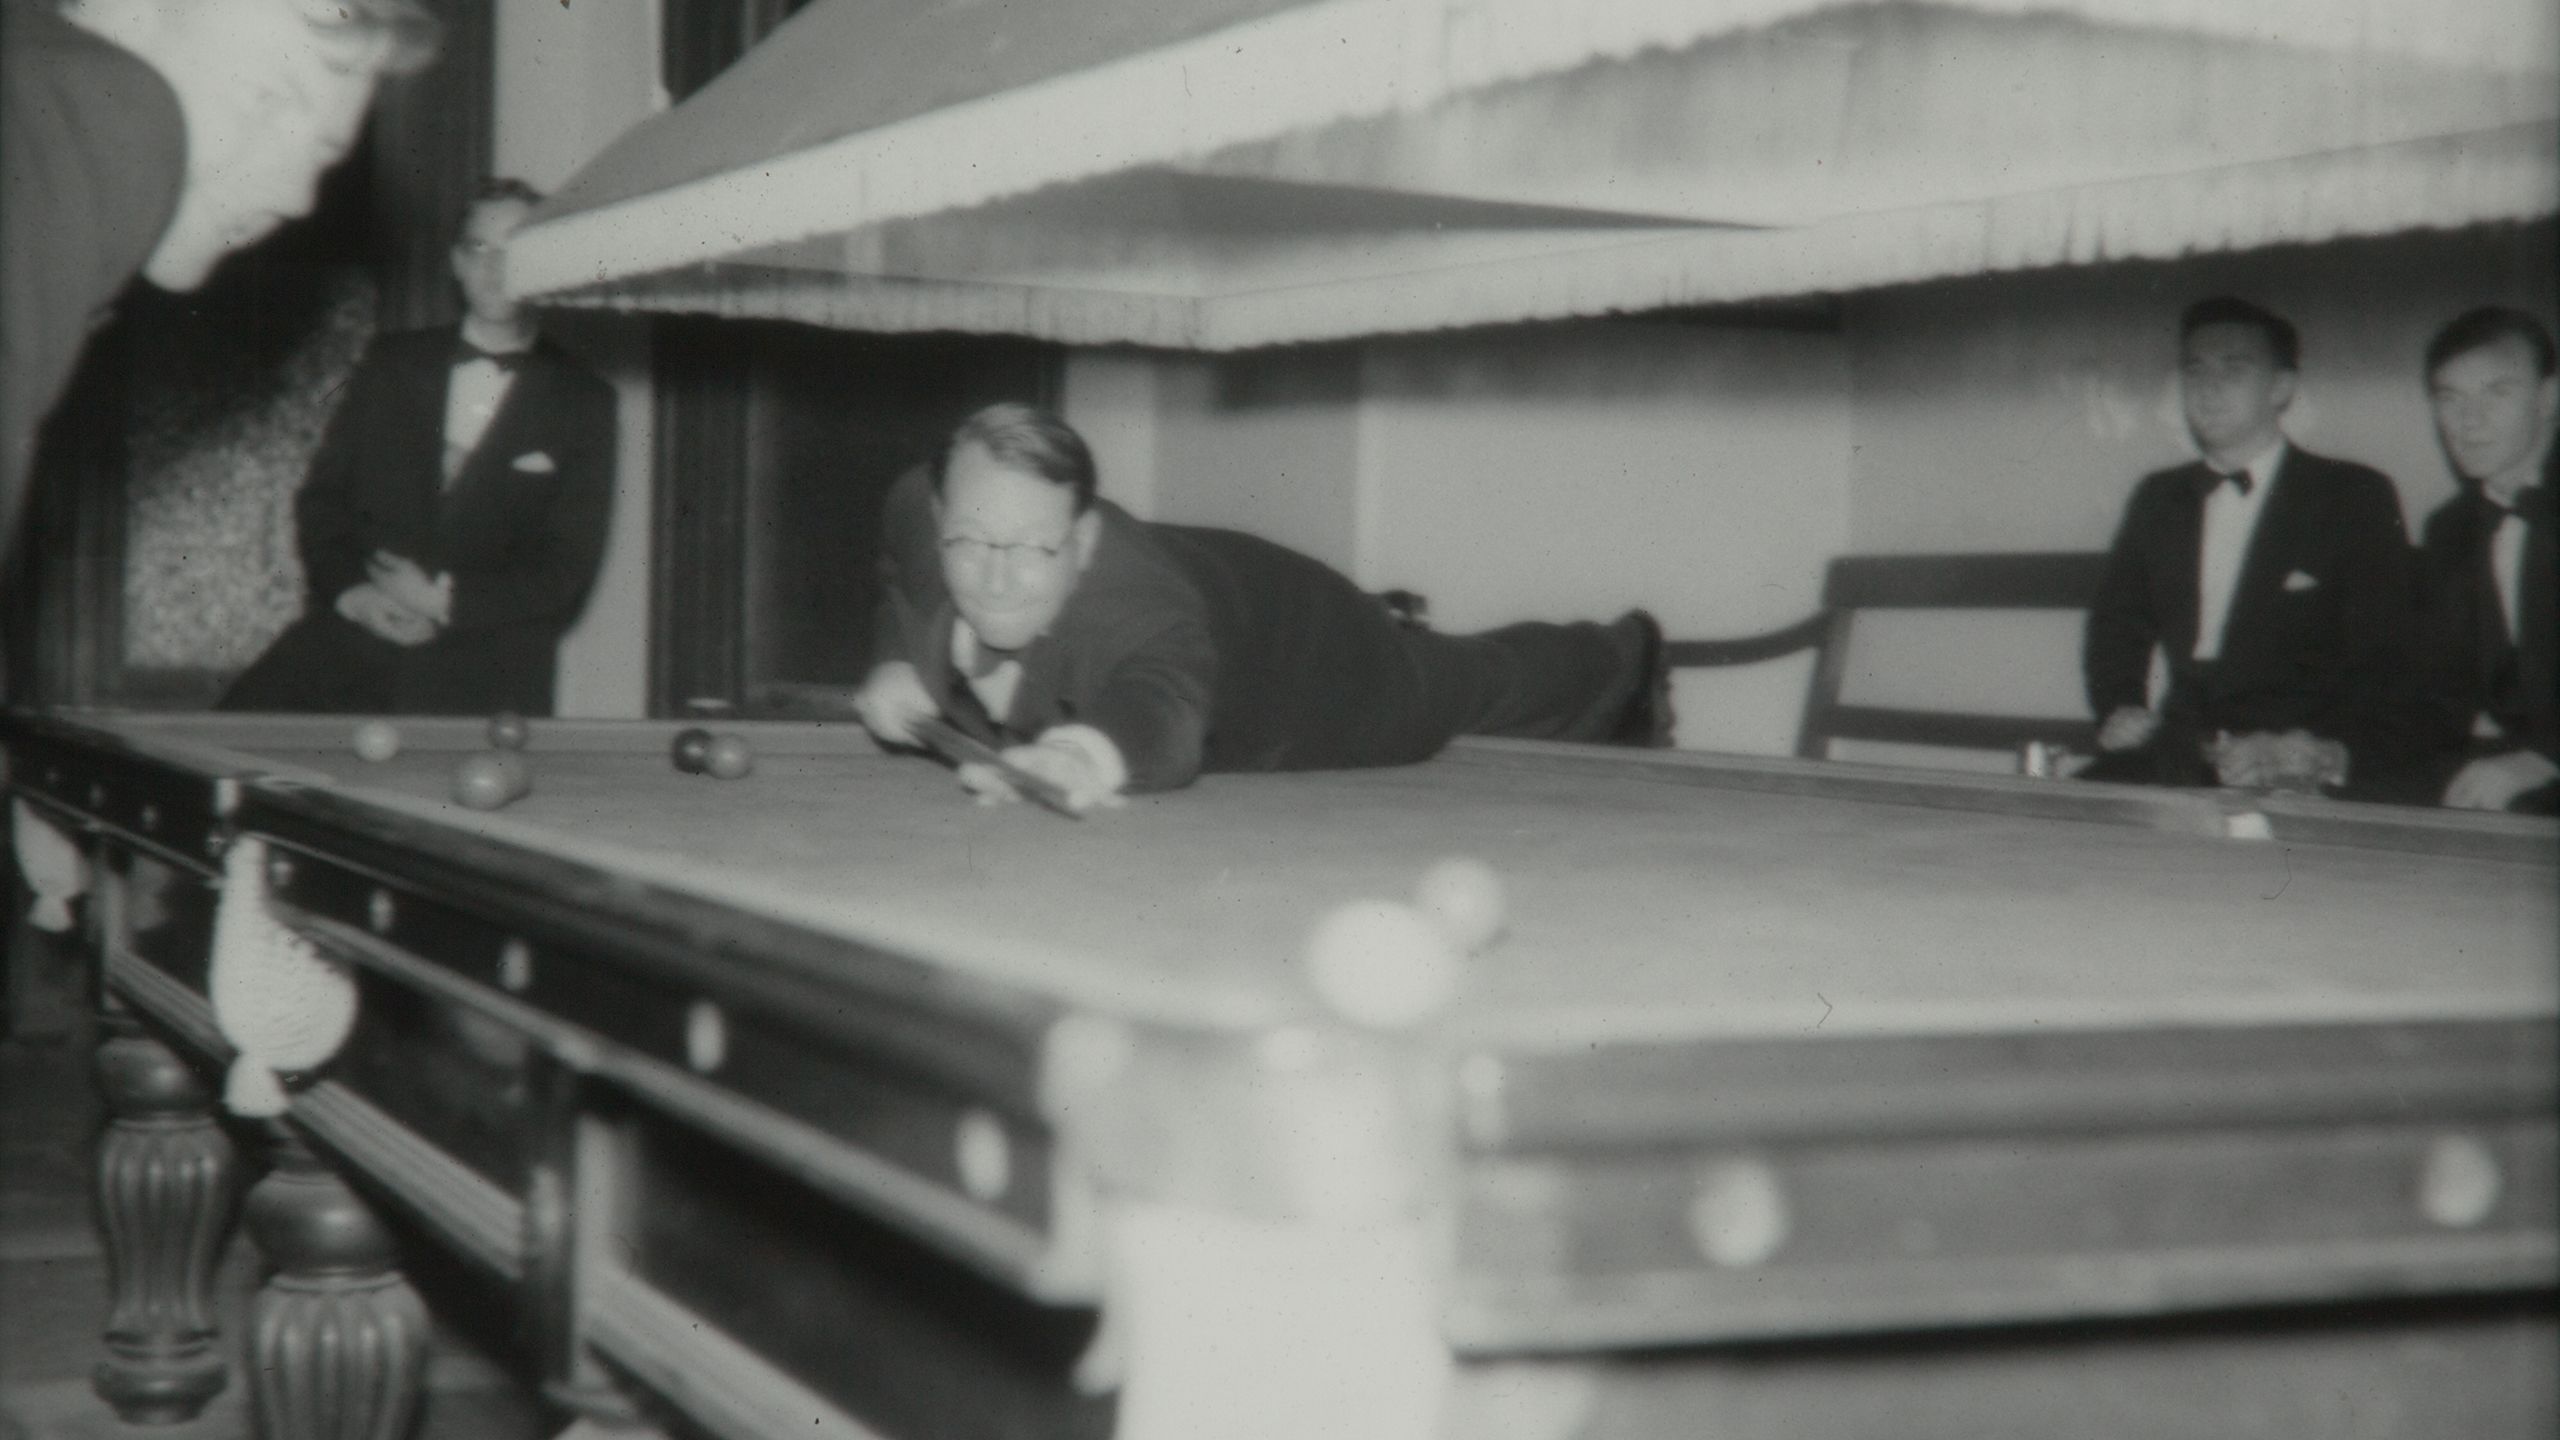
(509, 361)
(2216, 479)
(985, 660)
(2529, 502)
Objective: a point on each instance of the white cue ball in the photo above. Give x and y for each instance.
(377, 740)
(1464, 897)
(1382, 963)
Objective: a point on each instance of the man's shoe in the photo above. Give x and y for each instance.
(1648, 721)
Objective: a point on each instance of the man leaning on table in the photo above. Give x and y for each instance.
(159, 136)
(2275, 583)
(1107, 655)
(152, 137)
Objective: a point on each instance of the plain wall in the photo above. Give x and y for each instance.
(1267, 442)
(1111, 397)
(569, 78)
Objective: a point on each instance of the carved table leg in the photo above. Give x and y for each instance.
(337, 1339)
(165, 1194)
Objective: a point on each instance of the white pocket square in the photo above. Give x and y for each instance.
(2301, 580)
(535, 462)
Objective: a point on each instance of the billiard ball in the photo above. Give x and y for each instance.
(508, 731)
(728, 757)
(1382, 963)
(491, 779)
(691, 750)
(377, 740)
(1464, 897)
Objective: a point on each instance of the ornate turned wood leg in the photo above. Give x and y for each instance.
(337, 1339)
(165, 1202)
(575, 1198)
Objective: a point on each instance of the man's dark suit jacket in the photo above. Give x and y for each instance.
(2471, 664)
(2318, 632)
(521, 529)
(92, 151)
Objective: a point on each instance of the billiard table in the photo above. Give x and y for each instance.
(1796, 1098)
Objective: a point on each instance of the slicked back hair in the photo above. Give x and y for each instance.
(1029, 439)
(2282, 340)
(505, 187)
(401, 36)
(2475, 329)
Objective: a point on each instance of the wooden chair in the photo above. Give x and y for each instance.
(2052, 580)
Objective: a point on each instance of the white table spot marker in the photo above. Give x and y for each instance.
(515, 967)
(1738, 1214)
(983, 1155)
(2248, 825)
(706, 1037)
(2459, 1182)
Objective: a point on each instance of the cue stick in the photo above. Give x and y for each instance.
(961, 748)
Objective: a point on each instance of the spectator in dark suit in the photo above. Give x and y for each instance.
(2489, 621)
(2273, 581)
(455, 515)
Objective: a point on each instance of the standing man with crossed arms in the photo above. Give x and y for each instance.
(159, 136)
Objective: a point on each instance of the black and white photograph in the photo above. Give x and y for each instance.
(1279, 719)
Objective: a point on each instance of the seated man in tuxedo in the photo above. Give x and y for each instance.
(2488, 618)
(2274, 582)
(455, 514)
(1108, 655)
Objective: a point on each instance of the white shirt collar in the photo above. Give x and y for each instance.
(2262, 467)
(997, 687)
(2526, 475)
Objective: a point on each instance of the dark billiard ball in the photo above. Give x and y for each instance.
(507, 730)
(491, 778)
(377, 740)
(729, 757)
(691, 750)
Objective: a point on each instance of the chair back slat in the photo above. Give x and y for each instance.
(2026, 580)
(2021, 580)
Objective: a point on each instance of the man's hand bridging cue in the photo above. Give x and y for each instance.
(1064, 765)
(892, 699)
